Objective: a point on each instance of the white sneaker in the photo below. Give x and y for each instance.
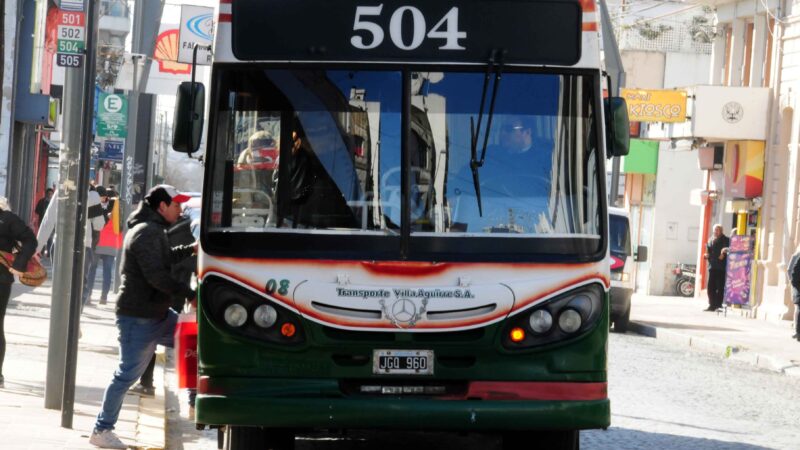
(106, 439)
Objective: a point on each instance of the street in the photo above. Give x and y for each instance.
(661, 398)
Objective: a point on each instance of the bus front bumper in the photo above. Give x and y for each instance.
(490, 406)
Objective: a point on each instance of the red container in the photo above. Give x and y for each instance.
(186, 350)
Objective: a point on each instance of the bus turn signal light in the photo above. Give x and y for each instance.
(517, 334)
(288, 329)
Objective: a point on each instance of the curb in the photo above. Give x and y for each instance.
(726, 351)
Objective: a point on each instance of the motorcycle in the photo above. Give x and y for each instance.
(684, 279)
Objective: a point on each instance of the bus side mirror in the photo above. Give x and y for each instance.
(188, 119)
(641, 254)
(619, 131)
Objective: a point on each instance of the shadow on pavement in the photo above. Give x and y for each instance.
(680, 326)
(623, 439)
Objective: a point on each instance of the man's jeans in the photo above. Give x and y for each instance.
(138, 338)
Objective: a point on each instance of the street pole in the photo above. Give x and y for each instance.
(76, 288)
(67, 198)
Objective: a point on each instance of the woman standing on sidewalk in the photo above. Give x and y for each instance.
(14, 233)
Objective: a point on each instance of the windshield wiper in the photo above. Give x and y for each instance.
(496, 63)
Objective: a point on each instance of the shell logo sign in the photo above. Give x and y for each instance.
(166, 53)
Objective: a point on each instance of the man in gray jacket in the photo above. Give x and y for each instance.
(144, 317)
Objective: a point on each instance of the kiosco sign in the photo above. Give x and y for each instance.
(655, 106)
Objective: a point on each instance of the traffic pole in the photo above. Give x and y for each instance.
(66, 197)
(76, 288)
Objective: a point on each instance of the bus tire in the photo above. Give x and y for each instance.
(542, 440)
(247, 438)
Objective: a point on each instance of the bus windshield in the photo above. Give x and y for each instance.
(322, 151)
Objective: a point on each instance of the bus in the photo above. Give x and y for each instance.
(428, 247)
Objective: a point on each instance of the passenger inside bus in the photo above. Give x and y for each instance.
(316, 201)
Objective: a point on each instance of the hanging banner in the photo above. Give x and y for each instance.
(647, 105)
(737, 272)
(744, 168)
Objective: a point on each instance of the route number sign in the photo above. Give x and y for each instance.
(67, 60)
(71, 35)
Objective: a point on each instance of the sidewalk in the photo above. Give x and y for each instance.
(682, 321)
(24, 422)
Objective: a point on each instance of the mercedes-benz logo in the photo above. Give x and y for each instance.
(404, 310)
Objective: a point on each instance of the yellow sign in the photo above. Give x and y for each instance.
(655, 106)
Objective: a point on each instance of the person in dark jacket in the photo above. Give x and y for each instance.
(14, 233)
(793, 270)
(717, 256)
(41, 205)
(178, 234)
(144, 316)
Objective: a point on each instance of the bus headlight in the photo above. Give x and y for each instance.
(237, 311)
(569, 321)
(265, 316)
(541, 321)
(235, 315)
(566, 316)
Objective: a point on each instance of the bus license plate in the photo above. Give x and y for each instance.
(402, 362)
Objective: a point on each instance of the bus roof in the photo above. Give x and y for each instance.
(565, 33)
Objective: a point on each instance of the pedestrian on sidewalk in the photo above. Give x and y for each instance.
(94, 223)
(144, 317)
(793, 271)
(109, 242)
(41, 205)
(716, 255)
(14, 233)
(178, 234)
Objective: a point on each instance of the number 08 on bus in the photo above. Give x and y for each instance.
(404, 221)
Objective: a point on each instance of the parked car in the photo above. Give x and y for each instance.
(622, 260)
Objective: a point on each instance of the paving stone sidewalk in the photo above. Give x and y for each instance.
(729, 334)
(24, 422)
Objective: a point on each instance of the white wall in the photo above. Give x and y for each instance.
(675, 225)
(686, 69)
(643, 69)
